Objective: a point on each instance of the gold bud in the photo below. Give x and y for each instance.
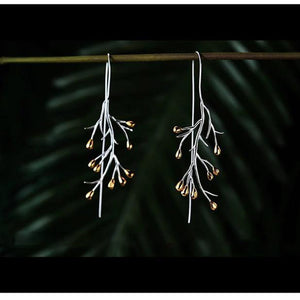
(130, 124)
(128, 173)
(128, 145)
(216, 171)
(89, 195)
(213, 205)
(185, 191)
(194, 194)
(111, 184)
(217, 150)
(122, 181)
(178, 154)
(177, 129)
(210, 176)
(92, 163)
(179, 186)
(97, 168)
(90, 144)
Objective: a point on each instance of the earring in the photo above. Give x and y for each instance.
(187, 185)
(102, 163)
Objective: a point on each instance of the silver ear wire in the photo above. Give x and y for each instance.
(102, 162)
(187, 185)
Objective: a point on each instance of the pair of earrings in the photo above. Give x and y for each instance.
(187, 185)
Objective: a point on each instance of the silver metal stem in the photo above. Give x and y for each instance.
(192, 137)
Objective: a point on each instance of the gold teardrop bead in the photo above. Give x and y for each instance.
(210, 176)
(92, 163)
(177, 129)
(90, 144)
(179, 186)
(130, 124)
(122, 181)
(213, 205)
(194, 194)
(128, 145)
(97, 168)
(216, 171)
(111, 184)
(128, 173)
(89, 195)
(217, 150)
(178, 154)
(185, 191)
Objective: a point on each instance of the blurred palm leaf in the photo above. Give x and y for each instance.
(148, 217)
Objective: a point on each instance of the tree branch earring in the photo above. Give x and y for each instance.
(105, 126)
(187, 185)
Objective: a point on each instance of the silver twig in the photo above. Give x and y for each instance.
(108, 157)
(187, 184)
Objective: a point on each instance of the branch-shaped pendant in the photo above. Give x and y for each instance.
(187, 184)
(103, 162)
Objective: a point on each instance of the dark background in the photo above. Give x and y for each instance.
(45, 107)
(44, 161)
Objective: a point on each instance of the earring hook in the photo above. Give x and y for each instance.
(107, 77)
(200, 76)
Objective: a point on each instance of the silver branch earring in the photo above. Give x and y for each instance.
(103, 162)
(187, 185)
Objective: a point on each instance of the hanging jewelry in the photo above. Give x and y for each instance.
(103, 162)
(187, 185)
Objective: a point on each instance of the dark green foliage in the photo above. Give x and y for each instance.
(43, 209)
